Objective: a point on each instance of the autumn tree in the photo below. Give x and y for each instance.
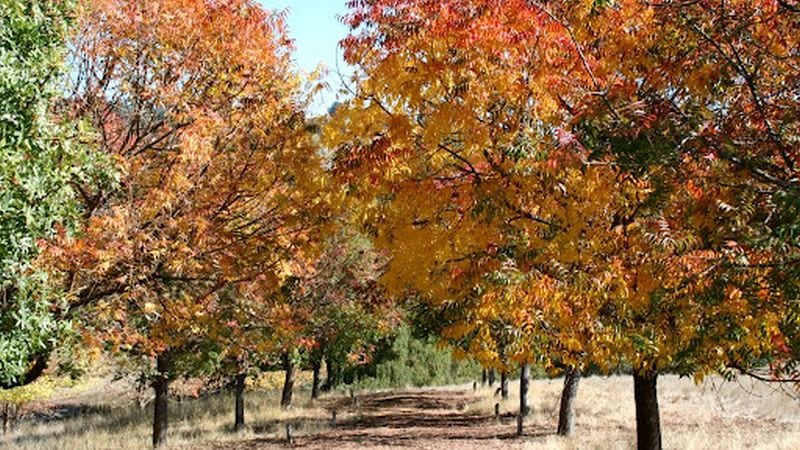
(349, 312)
(197, 102)
(558, 138)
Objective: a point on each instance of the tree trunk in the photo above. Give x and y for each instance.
(648, 422)
(6, 416)
(331, 378)
(317, 365)
(504, 384)
(161, 388)
(484, 377)
(288, 383)
(566, 415)
(238, 421)
(491, 377)
(524, 384)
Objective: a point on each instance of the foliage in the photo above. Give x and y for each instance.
(186, 258)
(348, 313)
(545, 168)
(415, 361)
(41, 158)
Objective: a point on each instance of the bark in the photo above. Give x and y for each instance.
(317, 366)
(504, 384)
(332, 376)
(6, 416)
(491, 377)
(524, 387)
(484, 377)
(160, 412)
(288, 382)
(566, 414)
(648, 422)
(524, 384)
(238, 421)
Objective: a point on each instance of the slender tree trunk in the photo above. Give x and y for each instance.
(6, 416)
(648, 422)
(484, 377)
(238, 421)
(317, 365)
(524, 385)
(566, 415)
(504, 384)
(160, 413)
(332, 376)
(492, 377)
(288, 383)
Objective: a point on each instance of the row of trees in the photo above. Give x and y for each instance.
(163, 199)
(573, 185)
(585, 183)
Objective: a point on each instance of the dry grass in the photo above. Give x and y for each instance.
(86, 422)
(713, 415)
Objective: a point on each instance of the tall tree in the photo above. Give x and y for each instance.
(198, 103)
(557, 142)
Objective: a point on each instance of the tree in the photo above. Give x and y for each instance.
(41, 157)
(349, 313)
(197, 102)
(551, 138)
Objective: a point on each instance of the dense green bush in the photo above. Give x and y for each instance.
(412, 361)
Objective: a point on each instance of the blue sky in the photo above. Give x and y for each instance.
(316, 30)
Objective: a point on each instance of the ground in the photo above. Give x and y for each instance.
(715, 414)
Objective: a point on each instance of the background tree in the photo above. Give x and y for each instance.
(350, 314)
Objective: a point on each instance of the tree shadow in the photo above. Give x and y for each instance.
(399, 419)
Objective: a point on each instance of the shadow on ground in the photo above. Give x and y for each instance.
(394, 419)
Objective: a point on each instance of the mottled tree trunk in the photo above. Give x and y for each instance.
(316, 366)
(524, 385)
(504, 384)
(160, 411)
(288, 382)
(566, 414)
(648, 422)
(238, 421)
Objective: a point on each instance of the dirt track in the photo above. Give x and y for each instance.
(432, 419)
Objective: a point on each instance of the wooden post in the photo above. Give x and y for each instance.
(497, 412)
(289, 433)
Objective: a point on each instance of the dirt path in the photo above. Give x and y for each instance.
(433, 419)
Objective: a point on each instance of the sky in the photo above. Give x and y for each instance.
(316, 30)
